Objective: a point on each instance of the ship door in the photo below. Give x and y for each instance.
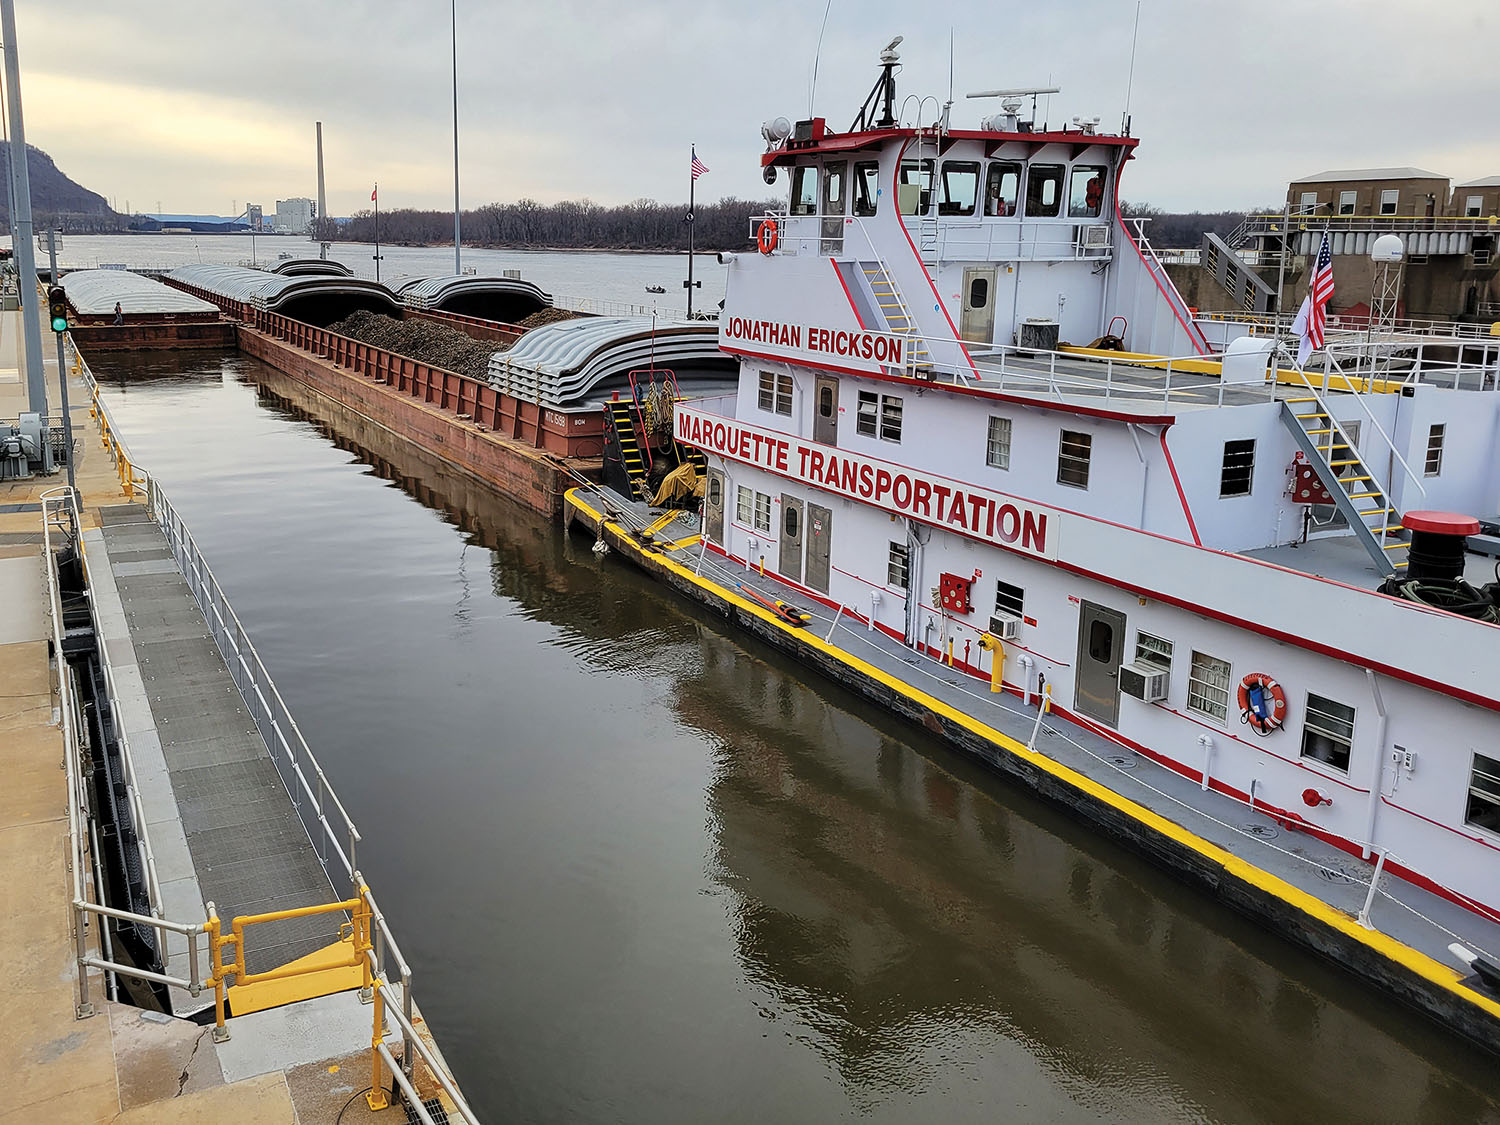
(713, 507)
(819, 536)
(1101, 645)
(790, 563)
(835, 203)
(978, 321)
(826, 410)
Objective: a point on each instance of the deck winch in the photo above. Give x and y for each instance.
(1435, 567)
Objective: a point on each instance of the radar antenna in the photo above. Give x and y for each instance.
(883, 96)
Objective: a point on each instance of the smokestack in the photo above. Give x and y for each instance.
(322, 199)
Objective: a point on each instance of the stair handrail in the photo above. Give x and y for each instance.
(645, 437)
(1350, 382)
(1164, 283)
(909, 363)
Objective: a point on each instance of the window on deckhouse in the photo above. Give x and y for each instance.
(1002, 189)
(1483, 809)
(1152, 650)
(1086, 197)
(1010, 598)
(1208, 687)
(1434, 463)
(776, 393)
(1074, 450)
(879, 416)
(1238, 468)
(805, 190)
(997, 444)
(1328, 731)
(897, 566)
(1044, 191)
(960, 187)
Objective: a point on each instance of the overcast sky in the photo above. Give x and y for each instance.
(204, 105)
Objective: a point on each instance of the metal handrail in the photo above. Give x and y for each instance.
(132, 789)
(80, 904)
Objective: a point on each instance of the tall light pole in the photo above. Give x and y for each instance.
(453, 14)
(36, 380)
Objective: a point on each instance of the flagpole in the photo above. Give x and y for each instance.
(692, 185)
(375, 198)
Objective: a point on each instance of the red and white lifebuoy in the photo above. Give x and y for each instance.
(1262, 703)
(768, 236)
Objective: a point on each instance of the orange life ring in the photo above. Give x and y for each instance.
(768, 236)
(1262, 703)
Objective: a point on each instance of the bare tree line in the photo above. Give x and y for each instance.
(572, 224)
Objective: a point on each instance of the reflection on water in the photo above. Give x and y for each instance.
(648, 870)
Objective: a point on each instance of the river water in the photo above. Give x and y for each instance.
(647, 870)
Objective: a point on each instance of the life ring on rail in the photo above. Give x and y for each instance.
(768, 236)
(1262, 703)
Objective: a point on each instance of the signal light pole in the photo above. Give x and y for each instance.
(57, 306)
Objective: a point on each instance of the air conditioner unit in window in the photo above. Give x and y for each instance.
(1094, 237)
(1006, 626)
(1145, 682)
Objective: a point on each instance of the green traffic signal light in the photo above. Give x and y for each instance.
(57, 305)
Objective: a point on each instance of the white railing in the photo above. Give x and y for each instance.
(1257, 324)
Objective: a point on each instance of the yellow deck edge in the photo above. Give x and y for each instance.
(1414, 960)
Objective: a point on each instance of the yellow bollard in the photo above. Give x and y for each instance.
(997, 662)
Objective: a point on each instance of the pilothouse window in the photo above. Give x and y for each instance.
(1002, 189)
(960, 189)
(914, 189)
(805, 190)
(866, 188)
(1086, 198)
(1044, 191)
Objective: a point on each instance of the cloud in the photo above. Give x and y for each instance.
(199, 106)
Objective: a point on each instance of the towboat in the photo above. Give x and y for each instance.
(985, 465)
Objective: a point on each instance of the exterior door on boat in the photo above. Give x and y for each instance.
(1101, 647)
(835, 193)
(713, 507)
(826, 411)
(820, 534)
(977, 323)
(790, 562)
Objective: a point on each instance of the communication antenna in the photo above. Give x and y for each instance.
(1130, 81)
(817, 53)
(948, 105)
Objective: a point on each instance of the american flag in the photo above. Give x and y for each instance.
(1312, 317)
(698, 166)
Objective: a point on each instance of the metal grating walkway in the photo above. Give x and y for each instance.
(248, 846)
